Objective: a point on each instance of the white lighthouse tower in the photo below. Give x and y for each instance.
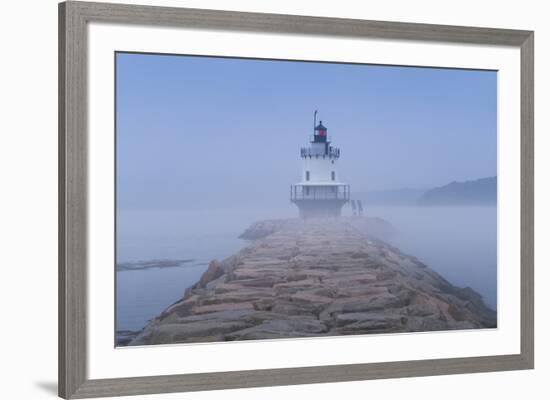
(320, 193)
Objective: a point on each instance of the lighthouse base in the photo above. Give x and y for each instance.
(319, 208)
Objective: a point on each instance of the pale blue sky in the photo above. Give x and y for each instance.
(199, 131)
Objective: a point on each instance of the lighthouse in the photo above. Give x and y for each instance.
(320, 193)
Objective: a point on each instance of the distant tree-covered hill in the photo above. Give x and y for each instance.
(478, 192)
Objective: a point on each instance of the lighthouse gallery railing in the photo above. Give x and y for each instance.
(321, 192)
(332, 152)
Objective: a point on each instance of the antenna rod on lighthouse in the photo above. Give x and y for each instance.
(314, 120)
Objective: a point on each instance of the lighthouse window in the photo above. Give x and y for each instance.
(333, 175)
(307, 175)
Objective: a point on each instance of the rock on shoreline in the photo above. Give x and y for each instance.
(315, 278)
(151, 264)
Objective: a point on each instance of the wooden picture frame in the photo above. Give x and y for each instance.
(73, 172)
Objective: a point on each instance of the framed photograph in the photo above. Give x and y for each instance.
(239, 187)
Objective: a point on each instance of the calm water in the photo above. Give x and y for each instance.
(459, 243)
